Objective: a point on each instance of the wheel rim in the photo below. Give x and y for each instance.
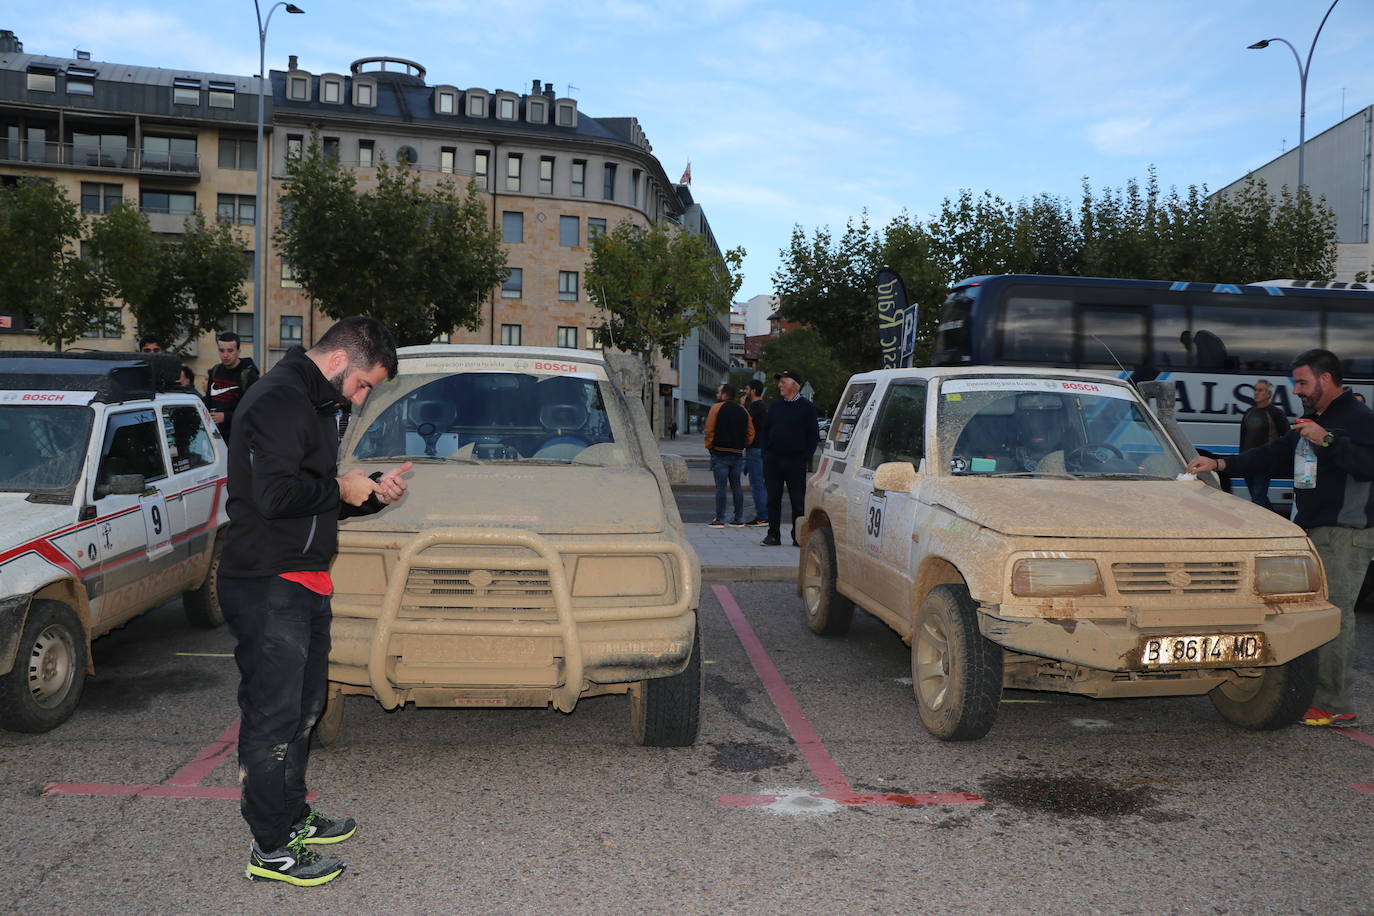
(1242, 689)
(51, 667)
(813, 575)
(931, 657)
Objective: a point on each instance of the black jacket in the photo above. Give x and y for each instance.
(792, 429)
(1343, 496)
(284, 504)
(1262, 425)
(758, 414)
(729, 430)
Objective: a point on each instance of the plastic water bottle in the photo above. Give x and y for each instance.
(1304, 466)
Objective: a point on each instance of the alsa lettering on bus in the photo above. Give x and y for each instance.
(1198, 395)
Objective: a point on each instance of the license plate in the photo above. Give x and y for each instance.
(1229, 648)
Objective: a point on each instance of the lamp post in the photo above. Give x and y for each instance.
(259, 192)
(1303, 70)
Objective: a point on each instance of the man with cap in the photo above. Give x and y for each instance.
(790, 438)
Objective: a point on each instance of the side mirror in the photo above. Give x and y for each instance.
(895, 477)
(675, 466)
(122, 485)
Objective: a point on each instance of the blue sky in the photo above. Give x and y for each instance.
(811, 112)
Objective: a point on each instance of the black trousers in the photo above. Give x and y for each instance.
(283, 656)
(788, 471)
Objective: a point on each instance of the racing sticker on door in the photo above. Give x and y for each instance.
(873, 524)
(154, 506)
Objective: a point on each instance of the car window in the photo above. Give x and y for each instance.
(899, 433)
(188, 442)
(131, 446)
(42, 448)
(848, 413)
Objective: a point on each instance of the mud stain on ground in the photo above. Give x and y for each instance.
(134, 691)
(1069, 795)
(744, 757)
(734, 699)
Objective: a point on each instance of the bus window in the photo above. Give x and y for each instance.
(1170, 324)
(1111, 336)
(1350, 335)
(1256, 340)
(1038, 331)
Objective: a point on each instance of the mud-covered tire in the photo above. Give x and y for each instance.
(956, 673)
(828, 613)
(1274, 700)
(42, 689)
(330, 724)
(666, 711)
(202, 604)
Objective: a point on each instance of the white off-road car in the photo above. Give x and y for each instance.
(1029, 528)
(112, 487)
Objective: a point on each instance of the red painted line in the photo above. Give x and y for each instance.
(1364, 788)
(1354, 734)
(808, 742)
(199, 769)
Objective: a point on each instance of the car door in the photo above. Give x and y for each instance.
(837, 467)
(193, 484)
(885, 521)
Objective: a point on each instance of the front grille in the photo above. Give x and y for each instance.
(447, 592)
(1178, 578)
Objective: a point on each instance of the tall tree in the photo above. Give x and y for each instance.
(422, 261)
(41, 272)
(805, 352)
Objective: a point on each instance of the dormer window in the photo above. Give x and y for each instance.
(445, 100)
(364, 93)
(477, 103)
(566, 113)
(185, 92)
(80, 81)
(221, 94)
(298, 88)
(331, 90)
(42, 79)
(505, 108)
(536, 112)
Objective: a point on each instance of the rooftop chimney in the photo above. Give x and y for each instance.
(548, 88)
(534, 88)
(292, 63)
(8, 42)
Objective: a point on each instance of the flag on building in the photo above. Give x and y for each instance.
(686, 174)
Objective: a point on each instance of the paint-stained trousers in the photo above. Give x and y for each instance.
(283, 656)
(1345, 553)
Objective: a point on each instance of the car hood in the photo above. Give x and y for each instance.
(25, 521)
(547, 499)
(1136, 509)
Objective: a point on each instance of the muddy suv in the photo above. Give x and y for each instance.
(112, 487)
(537, 558)
(1034, 529)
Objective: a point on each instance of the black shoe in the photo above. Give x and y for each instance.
(758, 523)
(771, 540)
(737, 523)
(319, 829)
(294, 864)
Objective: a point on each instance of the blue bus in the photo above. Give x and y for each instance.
(1213, 341)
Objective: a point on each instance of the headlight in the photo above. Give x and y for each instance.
(1286, 575)
(1043, 578)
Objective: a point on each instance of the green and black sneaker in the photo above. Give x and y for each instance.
(293, 863)
(318, 829)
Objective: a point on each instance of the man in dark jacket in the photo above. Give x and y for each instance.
(227, 382)
(285, 500)
(753, 455)
(1338, 513)
(792, 436)
(729, 431)
(1260, 425)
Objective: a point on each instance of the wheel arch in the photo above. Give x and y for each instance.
(934, 571)
(71, 593)
(815, 520)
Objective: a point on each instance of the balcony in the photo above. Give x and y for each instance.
(101, 158)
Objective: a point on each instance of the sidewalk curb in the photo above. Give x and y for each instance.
(748, 574)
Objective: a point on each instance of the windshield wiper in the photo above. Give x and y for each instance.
(1054, 475)
(1122, 475)
(420, 459)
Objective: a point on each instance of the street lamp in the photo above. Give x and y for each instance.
(1303, 70)
(259, 192)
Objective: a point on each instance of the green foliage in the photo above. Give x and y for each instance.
(804, 351)
(657, 285)
(175, 289)
(1136, 232)
(41, 274)
(421, 261)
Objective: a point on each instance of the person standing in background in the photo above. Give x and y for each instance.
(227, 381)
(753, 456)
(729, 431)
(1260, 425)
(792, 437)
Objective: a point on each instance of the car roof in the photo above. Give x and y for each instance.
(947, 372)
(562, 354)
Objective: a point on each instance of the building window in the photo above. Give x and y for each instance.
(330, 147)
(104, 150)
(567, 337)
(477, 105)
(567, 115)
(535, 112)
(479, 168)
(513, 161)
(170, 154)
(363, 94)
(42, 79)
(634, 187)
(545, 174)
(331, 90)
(367, 153)
(579, 178)
(590, 338)
(568, 234)
(514, 284)
(80, 81)
(185, 92)
(298, 88)
(567, 291)
(241, 323)
(608, 181)
(109, 325)
(512, 226)
(235, 153)
(510, 335)
(239, 209)
(221, 94)
(292, 330)
(100, 198)
(174, 202)
(505, 109)
(448, 158)
(289, 279)
(295, 145)
(446, 102)
(595, 226)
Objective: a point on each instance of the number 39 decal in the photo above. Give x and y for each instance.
(873, 524)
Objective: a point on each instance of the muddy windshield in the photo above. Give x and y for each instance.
(1050, 428)
(486, 417)
(41, 448)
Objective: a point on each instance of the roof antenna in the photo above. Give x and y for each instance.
(1124, 373)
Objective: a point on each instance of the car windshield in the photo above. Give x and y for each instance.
(41, 448)
(1050, 427)
(486, 416)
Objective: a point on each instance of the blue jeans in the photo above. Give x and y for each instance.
(753, 469)
(727, 468)
(1259, 491)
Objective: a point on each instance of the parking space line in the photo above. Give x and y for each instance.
(835, 787)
